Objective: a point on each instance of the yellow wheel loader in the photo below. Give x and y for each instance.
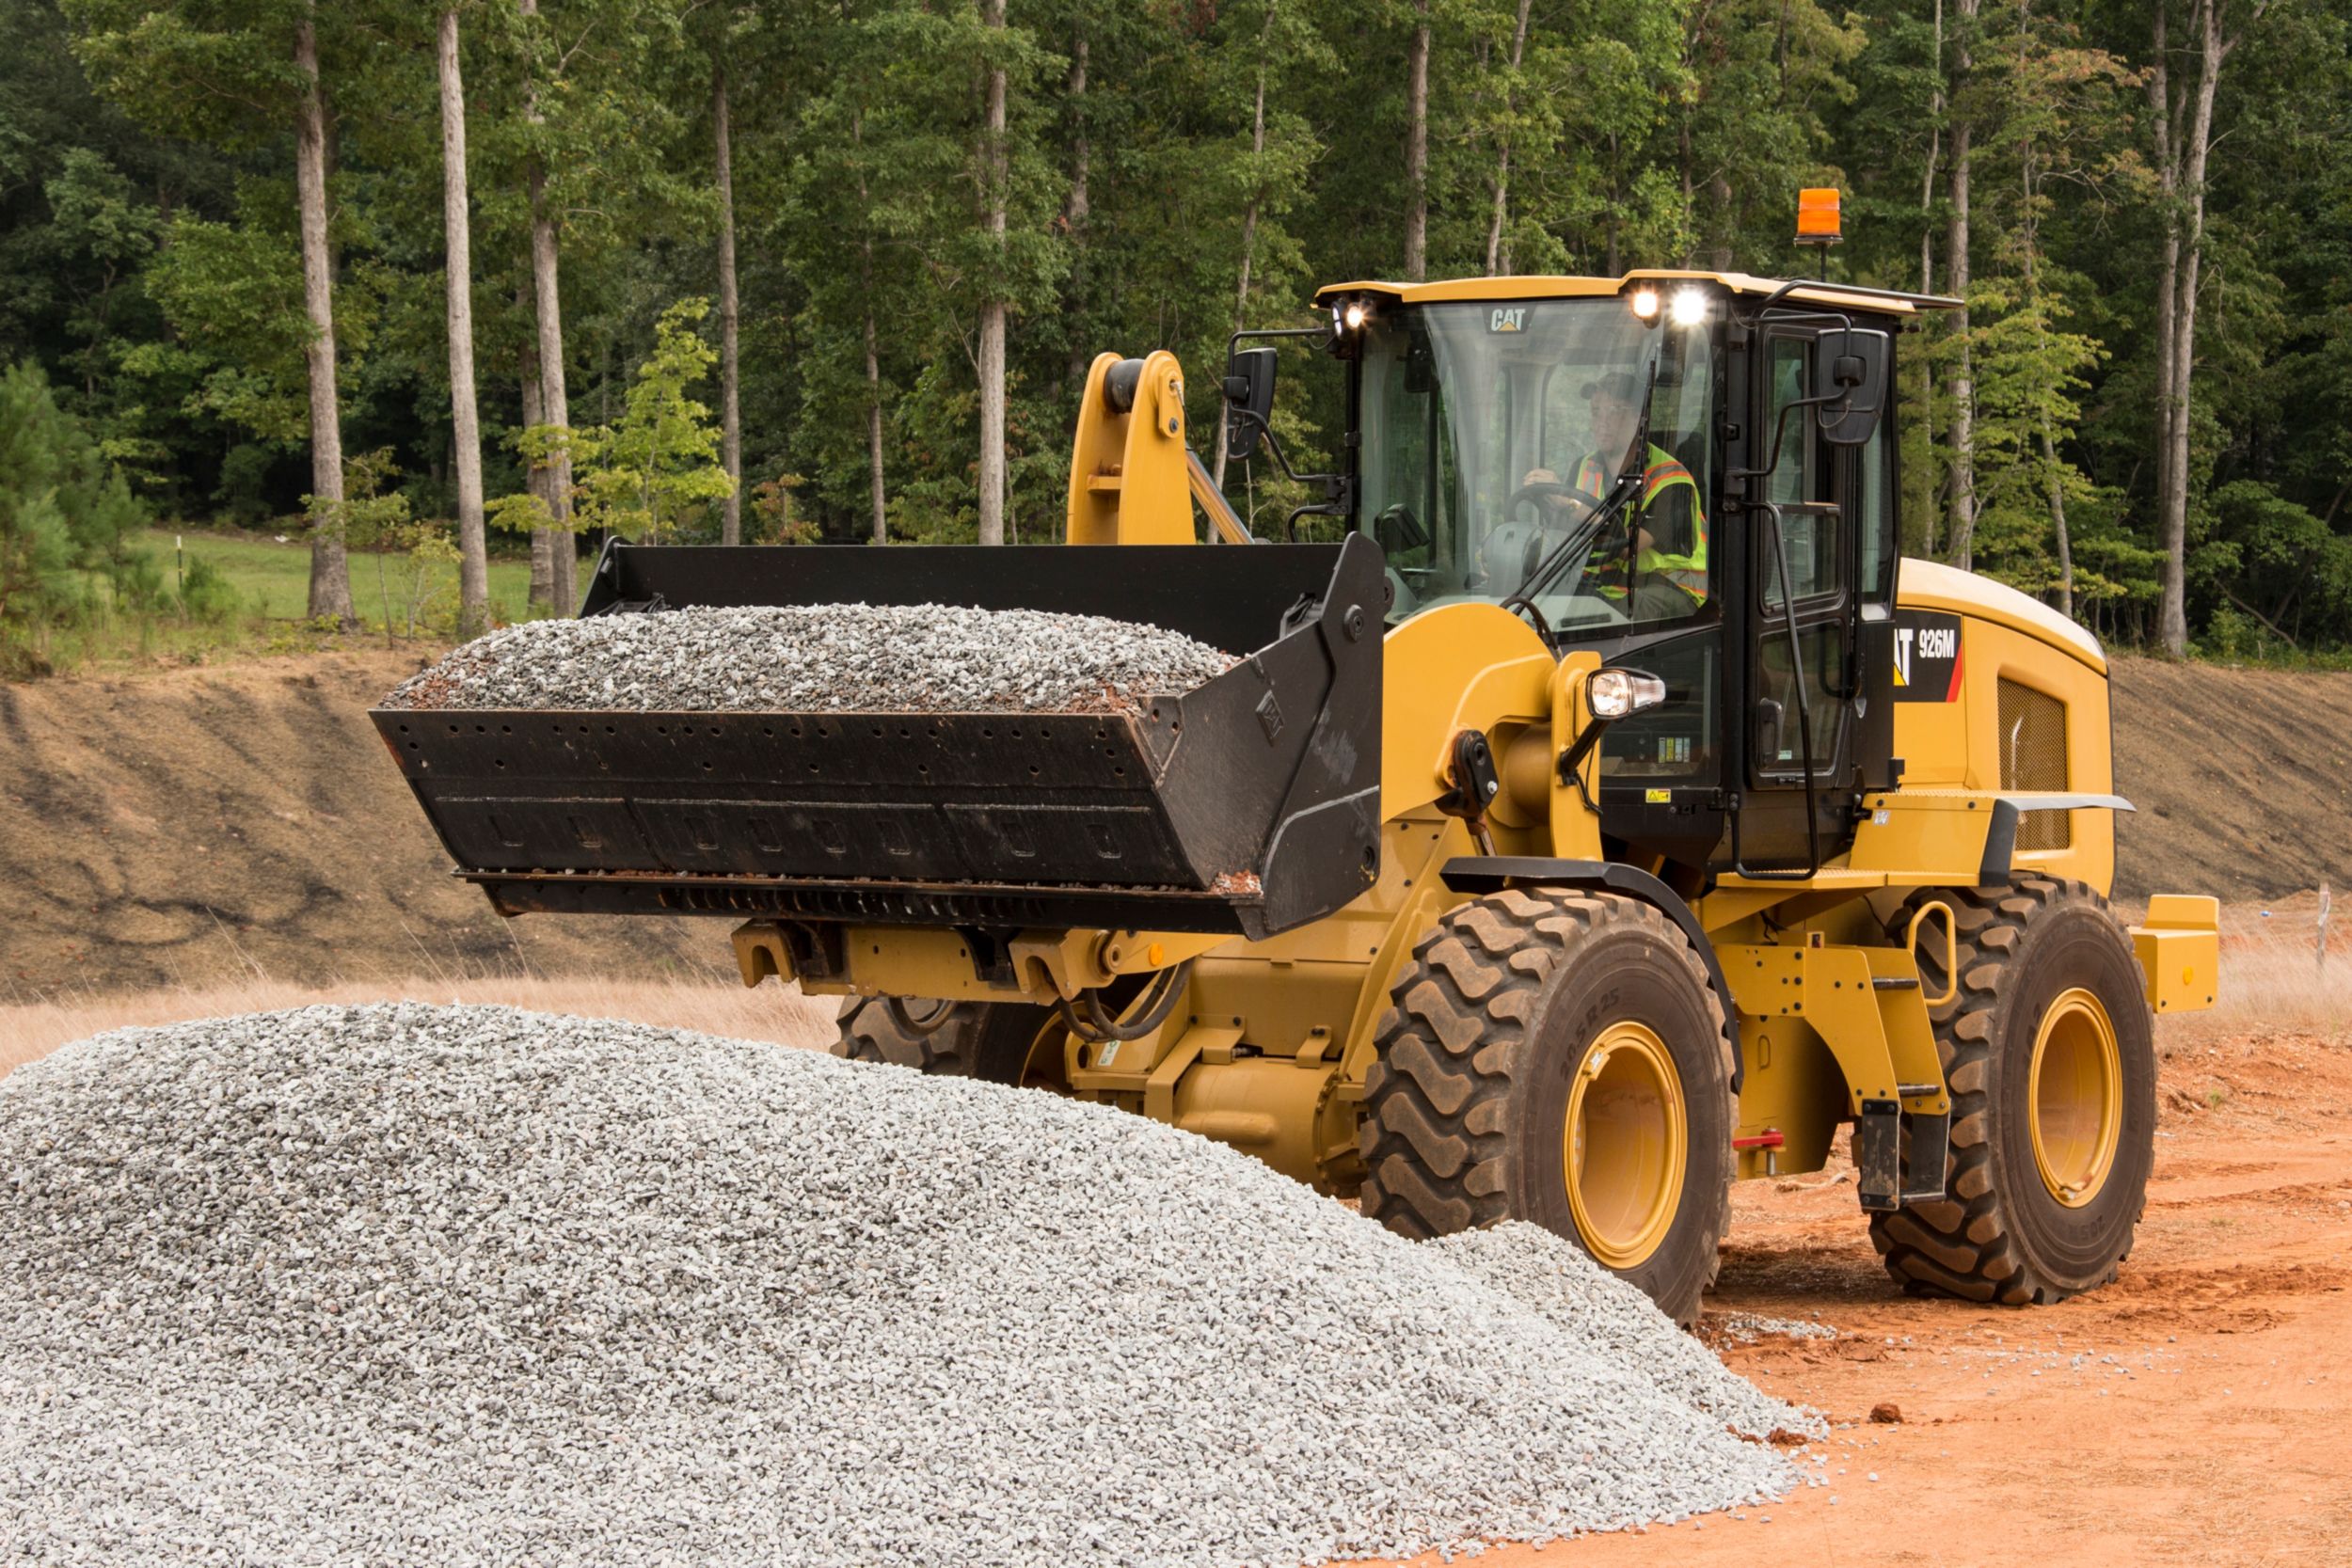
(1608, 816)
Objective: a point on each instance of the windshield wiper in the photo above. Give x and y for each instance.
(1628, 485)
(1578, 541)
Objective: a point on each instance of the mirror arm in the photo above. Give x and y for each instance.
(1780, 430)
(1334, 485)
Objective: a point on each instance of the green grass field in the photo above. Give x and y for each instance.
(272, 584)
(273, 580)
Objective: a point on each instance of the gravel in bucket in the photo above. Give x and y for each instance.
(819, 658)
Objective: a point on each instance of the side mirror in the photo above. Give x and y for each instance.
(1849, 368)
(1398, 531)
(1249, 399)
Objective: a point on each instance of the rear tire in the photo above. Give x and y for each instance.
(990, 1040)
(1562, 1059)
(2048, 1052)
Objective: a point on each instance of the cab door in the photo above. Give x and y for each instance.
(1807, 589)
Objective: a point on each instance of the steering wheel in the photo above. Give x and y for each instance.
(1545, 489)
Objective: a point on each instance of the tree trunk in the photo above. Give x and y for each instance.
(1963, 499)
(1927, 278)
(1249, 219)
(2190, 149)
(730, 400)
(2058, 521)
(473, 564)
(1495, 263)
(555, 407)
(2029, 251)
(992, 307)
(542, 539)
(1079, 210)
(1417, 151)
(2164, 120)
(873, 358)
(331, 573)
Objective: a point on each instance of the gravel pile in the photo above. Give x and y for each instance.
(1553, 1278)
(468, 1285)
(819, 658)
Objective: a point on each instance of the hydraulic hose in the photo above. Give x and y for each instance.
(1087, 1020)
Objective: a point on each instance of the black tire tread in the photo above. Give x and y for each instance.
(870, 1032)
(1452, 1049)
(1963, 1245)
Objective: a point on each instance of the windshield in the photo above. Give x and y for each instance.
(1495, 434)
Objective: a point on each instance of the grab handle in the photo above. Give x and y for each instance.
(1951, 947)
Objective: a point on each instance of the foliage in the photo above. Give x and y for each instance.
(773, 519)
(206, 596)
(148, 258)
(64, 511)
(654, 475)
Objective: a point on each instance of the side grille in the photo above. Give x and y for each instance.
(2033, 757)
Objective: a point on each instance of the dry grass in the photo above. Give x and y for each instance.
(32, 1030)
(2271, 981)
(2277, 984)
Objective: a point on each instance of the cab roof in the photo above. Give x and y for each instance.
(1852, 296)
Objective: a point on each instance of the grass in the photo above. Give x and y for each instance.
(272, 584)
(273, 580)
(32, 1030)
(2276, 984)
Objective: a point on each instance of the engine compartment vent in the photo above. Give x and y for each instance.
(2033, 757)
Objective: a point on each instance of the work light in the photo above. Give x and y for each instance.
(1617, 694)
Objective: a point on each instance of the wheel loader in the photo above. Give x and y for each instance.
(1598, 812)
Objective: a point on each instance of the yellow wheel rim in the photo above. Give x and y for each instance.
(2074, 1097)
(1043, 1067)
(1625, 1145)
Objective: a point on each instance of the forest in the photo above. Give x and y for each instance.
(478, 280)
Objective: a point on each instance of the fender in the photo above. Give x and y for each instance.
(1482, 874)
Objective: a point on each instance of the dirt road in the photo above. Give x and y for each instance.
(2193, 1412)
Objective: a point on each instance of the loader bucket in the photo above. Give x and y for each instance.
(1248, 805)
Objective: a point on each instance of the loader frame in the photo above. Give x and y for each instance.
(1220, 892)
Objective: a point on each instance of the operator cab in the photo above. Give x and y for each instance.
(1634, 464)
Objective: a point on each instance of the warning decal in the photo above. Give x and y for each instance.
(1927, 657)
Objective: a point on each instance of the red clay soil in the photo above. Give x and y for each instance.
(2197, 1411)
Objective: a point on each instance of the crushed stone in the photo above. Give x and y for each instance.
(1746, 1328)
(469, 1285)
(1553, 1277)
(819, 658)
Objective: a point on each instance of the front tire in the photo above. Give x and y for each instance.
(2049, 1055)
(1559, 1057)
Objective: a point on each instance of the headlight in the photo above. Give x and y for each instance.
(1645, 304)
(1689, 306)
(1618, 693)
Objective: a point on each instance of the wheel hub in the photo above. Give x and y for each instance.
(2074, 1097)
(1625, 1145)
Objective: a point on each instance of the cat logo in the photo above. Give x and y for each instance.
(1511, 318)
(1927, 657)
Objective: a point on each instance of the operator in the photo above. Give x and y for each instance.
(1668, 545)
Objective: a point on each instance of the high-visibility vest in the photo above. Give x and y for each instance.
(1688, 571)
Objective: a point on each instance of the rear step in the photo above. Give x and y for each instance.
(1250, 805)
